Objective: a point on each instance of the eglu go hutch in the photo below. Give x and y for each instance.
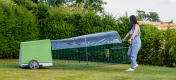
(98, 47)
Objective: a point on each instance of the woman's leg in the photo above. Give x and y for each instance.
(133, 56)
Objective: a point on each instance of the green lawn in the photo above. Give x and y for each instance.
(9, 70)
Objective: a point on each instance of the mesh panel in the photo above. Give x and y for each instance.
(99, 47)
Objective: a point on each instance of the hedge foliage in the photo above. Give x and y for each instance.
(158, 46)
(23, 20)
(17, 24)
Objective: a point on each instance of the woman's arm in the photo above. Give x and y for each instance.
(134, 34)
(127, 35)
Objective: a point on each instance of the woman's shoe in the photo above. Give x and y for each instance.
(136, 65)
(130, 69)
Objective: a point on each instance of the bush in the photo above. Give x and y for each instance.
(68, 23)
(28, 4)
(152, 43)
(123, 26)
(158, 46)
(56, 26)
(16, 25)
(169, 50)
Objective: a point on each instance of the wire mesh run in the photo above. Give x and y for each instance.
(104, 47)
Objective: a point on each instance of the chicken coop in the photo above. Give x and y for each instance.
(104, 47)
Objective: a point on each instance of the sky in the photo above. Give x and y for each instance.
(165, 8)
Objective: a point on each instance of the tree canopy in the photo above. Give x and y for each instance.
(94, 5)
(150, 16)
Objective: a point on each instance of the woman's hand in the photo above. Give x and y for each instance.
(124, 39)
(129, 41)
(126, 36)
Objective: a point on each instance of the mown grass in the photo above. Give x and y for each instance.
(67, 70)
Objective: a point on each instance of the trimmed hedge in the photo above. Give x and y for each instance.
(152, 42)
(158, 46)
(17, 24)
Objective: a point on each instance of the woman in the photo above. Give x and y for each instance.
(135, 42)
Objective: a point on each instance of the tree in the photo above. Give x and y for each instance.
(150, 16)
(35, 1)
(94, 5)
(153, 16)
(141, 15)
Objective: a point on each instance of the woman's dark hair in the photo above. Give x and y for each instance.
(133, 21)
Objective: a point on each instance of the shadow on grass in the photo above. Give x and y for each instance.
(90, 67)
(62, 65)
(9, 66)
